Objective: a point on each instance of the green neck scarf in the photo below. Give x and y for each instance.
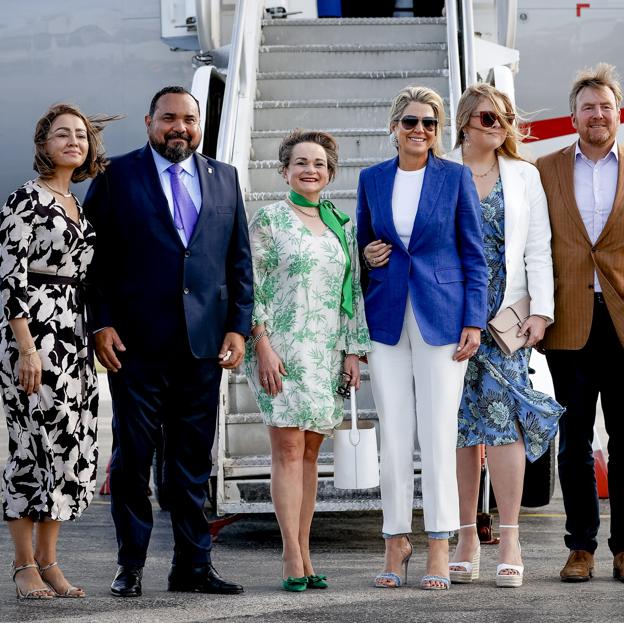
(335, 220)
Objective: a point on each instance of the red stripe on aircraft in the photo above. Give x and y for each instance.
(552, 128)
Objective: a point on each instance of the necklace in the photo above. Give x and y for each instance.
(294, 205)
(488, 171)
(58, 192)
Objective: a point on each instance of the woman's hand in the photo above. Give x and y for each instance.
(270, 368)
(469, 343)
(533, 327)
(29, 372)
(377, 253)
(352, 367)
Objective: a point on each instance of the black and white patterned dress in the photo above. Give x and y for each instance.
(50, 472)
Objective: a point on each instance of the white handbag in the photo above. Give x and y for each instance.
(356, 465)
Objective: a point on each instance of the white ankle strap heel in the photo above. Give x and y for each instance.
(513, 579)
(465, 572)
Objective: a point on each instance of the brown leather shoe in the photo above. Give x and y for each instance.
(618, 566)
(579, 567)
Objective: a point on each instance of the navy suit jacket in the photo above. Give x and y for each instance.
(443, 268)
(145, 283)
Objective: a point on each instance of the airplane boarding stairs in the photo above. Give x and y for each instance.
(337, 75)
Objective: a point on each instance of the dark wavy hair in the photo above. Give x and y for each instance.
(325, 140)
(95, 161)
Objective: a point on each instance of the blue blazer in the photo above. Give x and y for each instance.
(443, 268)
(145, 283)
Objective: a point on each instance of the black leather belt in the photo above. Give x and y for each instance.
(41, 279)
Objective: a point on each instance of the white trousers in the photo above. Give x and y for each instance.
(417, 385)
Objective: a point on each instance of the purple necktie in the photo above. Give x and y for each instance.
(184, 211)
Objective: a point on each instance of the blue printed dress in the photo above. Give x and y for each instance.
(497, 391)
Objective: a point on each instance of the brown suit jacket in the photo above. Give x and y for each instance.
(575, 258)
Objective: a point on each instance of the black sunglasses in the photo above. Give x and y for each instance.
(409, 122)
(488, 118)
(344, 390)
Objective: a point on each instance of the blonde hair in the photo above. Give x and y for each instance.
(420, 95)
(469, 101)
(601, 76)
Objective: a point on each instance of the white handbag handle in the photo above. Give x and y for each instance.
(354, 433)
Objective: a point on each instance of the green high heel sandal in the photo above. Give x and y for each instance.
(295, 585)
(317, 581)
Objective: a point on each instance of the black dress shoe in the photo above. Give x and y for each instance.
(127, 582)
(200, 579)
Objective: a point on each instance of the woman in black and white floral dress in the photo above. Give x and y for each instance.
(47, 374)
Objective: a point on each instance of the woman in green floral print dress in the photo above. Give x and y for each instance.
(309, 327)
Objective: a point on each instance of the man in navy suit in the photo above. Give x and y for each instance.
(172, 301)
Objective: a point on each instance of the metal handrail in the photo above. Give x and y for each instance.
(233, 86)
(470, 61)
(233, 147)
(455, 81)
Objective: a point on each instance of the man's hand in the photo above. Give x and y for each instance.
(469, 343)
(232, 350)
(106, 343)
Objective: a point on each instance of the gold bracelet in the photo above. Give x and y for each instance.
(29, 351)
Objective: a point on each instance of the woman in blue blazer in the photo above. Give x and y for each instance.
(420, 236)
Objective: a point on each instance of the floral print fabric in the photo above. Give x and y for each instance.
(298, 282)
(51, 468)
(497, 389)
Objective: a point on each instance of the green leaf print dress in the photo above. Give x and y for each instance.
(297, 283)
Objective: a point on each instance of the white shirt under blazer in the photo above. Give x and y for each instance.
(528, 257)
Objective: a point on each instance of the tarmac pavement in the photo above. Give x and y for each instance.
(347, 547)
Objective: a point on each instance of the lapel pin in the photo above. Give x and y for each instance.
(209, 169)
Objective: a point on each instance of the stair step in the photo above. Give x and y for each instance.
(254, 496)
(318, 114)
(344, 30)
(352, 57)
(352, 143)
(246, 433)
(260, 465)
(279, 85)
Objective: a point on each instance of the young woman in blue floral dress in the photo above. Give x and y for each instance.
(499, 407)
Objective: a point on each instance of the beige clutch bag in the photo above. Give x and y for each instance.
(504, 326)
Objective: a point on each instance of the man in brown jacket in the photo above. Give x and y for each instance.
(584, 184)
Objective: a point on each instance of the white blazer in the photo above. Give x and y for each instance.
(528, 259)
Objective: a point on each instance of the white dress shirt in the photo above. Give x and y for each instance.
(190, 179)
(594, 189)
(405, 197)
